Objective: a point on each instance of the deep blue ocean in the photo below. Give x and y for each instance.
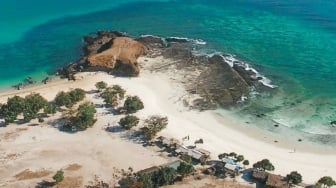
(292, 42)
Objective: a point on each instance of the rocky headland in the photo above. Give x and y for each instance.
(216, 80)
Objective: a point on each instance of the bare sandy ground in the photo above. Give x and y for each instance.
(45, 148)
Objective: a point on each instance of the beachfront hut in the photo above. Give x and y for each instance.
(233, 168)
(149, 170)
(168, 142)
(174, 164)
(228, 160)
(259, 175)
(276, 181)
(199, 154)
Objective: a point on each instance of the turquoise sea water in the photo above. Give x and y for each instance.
(291, 42)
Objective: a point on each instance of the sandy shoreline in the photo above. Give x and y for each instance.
(161, 95)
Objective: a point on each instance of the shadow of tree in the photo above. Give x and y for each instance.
(45, 184)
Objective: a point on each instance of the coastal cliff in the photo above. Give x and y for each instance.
(214, 78)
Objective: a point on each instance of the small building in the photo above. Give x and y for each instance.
(233, 168)
(149, 170)
(174, 164)
(168, 142)
(228, 160)
(259, 175)
(276, 181)
(198, 154)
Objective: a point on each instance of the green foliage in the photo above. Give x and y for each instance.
(246, 162)
(12, 109)
(129, 121)
(264, 164)
(294, 177)
(165, 176)
(50, 109)
(133, 104)
(112, 95)
(146, 180)
(33, 104)
(326, 181)
(85, 116)
(101, 85)
(59, 176)
(68, 99)
(63, 99)
(153, 125)
(233, 154)
(186, 158)
(77, 95)
(240, 158)
(222, 155)
(185, 169)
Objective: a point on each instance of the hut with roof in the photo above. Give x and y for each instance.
(276, 181)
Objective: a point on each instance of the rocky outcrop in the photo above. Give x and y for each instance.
(123, 52)
(216, 80)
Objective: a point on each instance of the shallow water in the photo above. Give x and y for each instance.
(291, 42)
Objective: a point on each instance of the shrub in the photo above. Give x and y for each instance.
(153, 125)
(112, 95)
(77, 95)
(85, 116)
(185, 169)
(133, 104)
(101, 85)
(294, 177)
(326, 181)
(129, 121)
(63, 99)
(264, 164)
(12, 109)
(50, 109)
(33, 103)
(59, 176)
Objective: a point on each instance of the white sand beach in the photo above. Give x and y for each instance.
(98, 151)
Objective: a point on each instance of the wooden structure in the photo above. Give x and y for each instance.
(259, 175)
(276, 181)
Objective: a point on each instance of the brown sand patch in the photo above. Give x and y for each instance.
(14, 134)
(71, 182)
(28, 174)
(73, 167)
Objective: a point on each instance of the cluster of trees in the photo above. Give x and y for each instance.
(153, 125)
(235, 156)
(68, 99)
(29, 107)
(162, 177)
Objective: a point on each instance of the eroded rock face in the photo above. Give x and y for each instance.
(124, 52)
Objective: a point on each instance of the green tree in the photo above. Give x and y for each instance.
(64, 99)
(77, 95)
(246, 162)
(119, 91)
(240, 158)
(33, 103)
(50, 109)
(129, 121)
(59, 176)
(85, 116)
(294, 177)
(185, 169)
(264, 164)
(222, 155)
(146, 180)
(132, 104)
(165, 176)
(153, 125)
(13, 108)
(233, 154)
(101, 85)
(326, 181)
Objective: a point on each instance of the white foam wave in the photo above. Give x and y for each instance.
(196, 41)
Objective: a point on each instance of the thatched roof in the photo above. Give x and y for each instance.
(259, 175)
(276, 181)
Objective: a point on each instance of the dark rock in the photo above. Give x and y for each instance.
(276, 125)
(151, 41)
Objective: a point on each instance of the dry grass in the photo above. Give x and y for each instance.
(28, 174)
(73, 167)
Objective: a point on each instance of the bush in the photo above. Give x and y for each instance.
(185, 169)
(85, 116)
(33, 104)
(12, 109)
(112, 95)
(59, 176)
(246, 162)
(50, 109)
(264, 164)
(153, 125)
(101, 85)
(129, 121)
(294, 177)
(133, 104)
(68, 99)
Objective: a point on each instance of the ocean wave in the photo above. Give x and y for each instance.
(195, 41)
